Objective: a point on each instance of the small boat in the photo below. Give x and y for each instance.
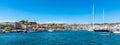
(50, 30)
(90, 29)
(116, 31)
(25, 31)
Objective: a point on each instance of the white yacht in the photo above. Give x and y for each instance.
(90, 29)
(50, 30)
(116, 30)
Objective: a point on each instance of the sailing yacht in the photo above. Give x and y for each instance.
(102, 29)
(92, 19)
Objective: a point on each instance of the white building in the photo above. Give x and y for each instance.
(16, 25)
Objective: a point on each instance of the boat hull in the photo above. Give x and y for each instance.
(116, 32)
(90, 30)
(101, 31)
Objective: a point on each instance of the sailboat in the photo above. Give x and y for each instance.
(92, 19)
(102, 29)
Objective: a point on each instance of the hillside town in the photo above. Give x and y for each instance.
(25, 25)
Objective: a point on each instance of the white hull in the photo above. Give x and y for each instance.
(50, 30)
(116, 32)
(90, 30)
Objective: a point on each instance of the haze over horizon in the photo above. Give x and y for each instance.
(59, 11)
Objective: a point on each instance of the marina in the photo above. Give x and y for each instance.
(59, 22)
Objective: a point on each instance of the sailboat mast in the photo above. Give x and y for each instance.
(103, 18)
(93, 16)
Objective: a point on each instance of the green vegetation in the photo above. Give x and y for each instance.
(7, 25)
(22, 21)
(32, 23)
(8, 30)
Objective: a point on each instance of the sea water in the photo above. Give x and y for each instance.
(82, 37)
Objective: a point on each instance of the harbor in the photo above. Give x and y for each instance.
(27, 27)
(59, 22)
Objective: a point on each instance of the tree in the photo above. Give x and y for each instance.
(32, 23)
(22, 21)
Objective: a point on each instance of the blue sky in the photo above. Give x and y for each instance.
(59, 11)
